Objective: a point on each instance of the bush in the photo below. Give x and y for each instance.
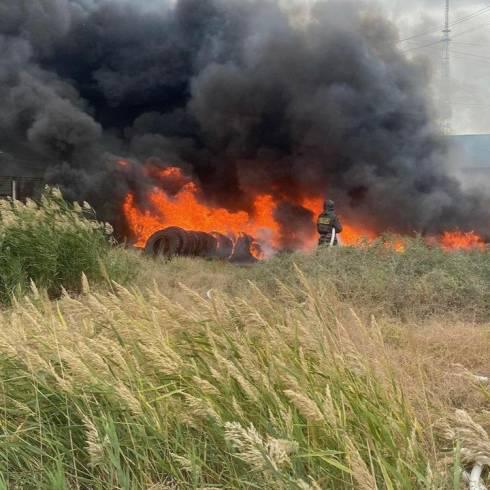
(51, 243)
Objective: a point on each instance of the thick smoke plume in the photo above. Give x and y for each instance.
(248, 95)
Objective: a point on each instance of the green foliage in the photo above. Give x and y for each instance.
(50, 244)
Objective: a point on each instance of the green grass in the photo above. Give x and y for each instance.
(51, 243)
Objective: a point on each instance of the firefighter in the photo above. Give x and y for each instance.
(328, 225)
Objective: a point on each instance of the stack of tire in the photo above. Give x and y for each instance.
(175, 241)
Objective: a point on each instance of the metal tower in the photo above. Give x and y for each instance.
(446, 99)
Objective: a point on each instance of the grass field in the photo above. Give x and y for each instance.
(354, 368)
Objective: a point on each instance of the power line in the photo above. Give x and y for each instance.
(481, 26)
(461, 20)
(418, 35)
(478, 13)
(485, 58)
(470, 44)
(485, 62)
(439, 41)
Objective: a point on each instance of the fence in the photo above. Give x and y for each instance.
(20, 187)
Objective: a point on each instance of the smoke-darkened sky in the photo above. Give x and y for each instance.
(251, 96)
(470, 61)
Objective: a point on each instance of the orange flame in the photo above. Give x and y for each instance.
(458, 240)
(186, 211)
(183, 208)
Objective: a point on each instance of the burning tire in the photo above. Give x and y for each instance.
(176, 241)
(167, 243)
(224, 248)
(242, 250)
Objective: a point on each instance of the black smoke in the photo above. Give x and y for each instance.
(245, 94)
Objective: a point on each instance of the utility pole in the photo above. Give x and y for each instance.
(446, 98)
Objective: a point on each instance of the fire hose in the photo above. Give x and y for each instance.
(474, 478)
(335, 237)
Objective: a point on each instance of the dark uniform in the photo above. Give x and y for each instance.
(327, 223)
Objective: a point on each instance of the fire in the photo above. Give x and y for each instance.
(175, 201)
(458, 240)
(354, 235)
(257, 251)
(399, 245)
(185, 210)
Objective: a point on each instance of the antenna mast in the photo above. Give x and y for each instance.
(446, 99)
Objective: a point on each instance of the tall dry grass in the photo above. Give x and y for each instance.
(354, 368)
(283, 388)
